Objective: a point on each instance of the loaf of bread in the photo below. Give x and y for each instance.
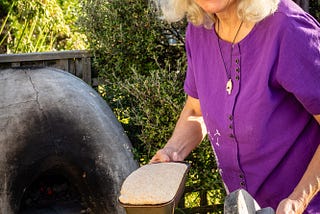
(153, 184)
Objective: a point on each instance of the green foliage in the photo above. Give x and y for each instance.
(39, 25)
(205, 175)
(314, 7)
(155, 101)
(125, 34)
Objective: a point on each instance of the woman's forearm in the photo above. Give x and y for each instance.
(189, 131)
(309, 185)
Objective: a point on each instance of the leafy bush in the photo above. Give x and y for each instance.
(35, 26)
(123, 34)
(154, 103)
(314, 9)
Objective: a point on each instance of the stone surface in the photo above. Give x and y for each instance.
(241, 202)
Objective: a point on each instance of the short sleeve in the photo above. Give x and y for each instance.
(190, 83)
(298, 69)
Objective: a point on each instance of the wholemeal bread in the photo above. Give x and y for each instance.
(153, 184)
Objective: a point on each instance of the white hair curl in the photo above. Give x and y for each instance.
(248, 10)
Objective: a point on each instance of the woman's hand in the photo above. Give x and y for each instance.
(290, 206)
(166, 154)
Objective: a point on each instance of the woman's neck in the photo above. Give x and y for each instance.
(228, 18)
(228, 23)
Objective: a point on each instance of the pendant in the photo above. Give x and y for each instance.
(229, 86)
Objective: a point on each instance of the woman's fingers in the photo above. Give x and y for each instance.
(161, 156)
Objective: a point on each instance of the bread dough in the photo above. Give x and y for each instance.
(153, 183)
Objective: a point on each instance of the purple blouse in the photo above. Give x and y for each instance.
(263, 133)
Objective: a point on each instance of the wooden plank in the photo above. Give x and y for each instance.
(72, 67)
(41, 56)
(86, 70)
(79, 68)
(75, 62)
(204, 209)
(62, 64)
(15, 64)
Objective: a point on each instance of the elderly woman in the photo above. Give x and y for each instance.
(253, 85)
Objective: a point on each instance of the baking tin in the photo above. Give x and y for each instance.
(165, 208)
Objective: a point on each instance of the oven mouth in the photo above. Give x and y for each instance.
(53, 192)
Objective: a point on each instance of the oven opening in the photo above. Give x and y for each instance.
(52, 192)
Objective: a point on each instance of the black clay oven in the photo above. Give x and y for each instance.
(59, 143)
